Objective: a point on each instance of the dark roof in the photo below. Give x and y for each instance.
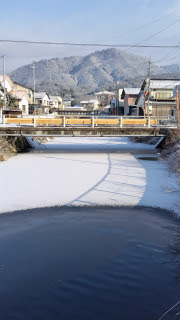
(165, 79)
(22, 85)
(130, 91)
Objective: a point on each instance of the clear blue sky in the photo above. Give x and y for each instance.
(103, 21)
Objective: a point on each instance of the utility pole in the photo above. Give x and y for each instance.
(117, 93)
(145, 94)
(34, 80)
(149, 83)
(177, 104)
(4, 77)
(50, 73)
(49, 70)
(144, 103)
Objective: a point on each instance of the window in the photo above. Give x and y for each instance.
(23, 108)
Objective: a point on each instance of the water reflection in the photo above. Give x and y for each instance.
(89, 263)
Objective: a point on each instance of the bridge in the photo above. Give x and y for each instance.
(87, 126)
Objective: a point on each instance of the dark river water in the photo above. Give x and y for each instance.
(89, 263)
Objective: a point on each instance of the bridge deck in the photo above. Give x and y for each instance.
(82, 131)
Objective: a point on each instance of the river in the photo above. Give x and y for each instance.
(85, 238)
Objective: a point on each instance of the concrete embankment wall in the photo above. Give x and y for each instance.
(9, 146)
(169, 146)
(172, 137)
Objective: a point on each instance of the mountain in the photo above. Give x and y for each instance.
(172, 68)
(100, 69)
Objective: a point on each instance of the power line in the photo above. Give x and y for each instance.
(153, 35)
(146, 24)
(92, 44)
(167, 55)
(173, 58)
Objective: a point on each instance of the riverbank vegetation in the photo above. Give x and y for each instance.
(9, 146)
(171, 151)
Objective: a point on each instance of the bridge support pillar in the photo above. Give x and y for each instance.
(34, 122)
(149, 122)
(64, 121)
(120, 122)
(92, 122)
(4, 120)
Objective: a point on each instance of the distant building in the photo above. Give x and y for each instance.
(104, 98)
(117, 105)
(41, 98)
(38, 109)
(113, 106)
(161, 100)
(129, 95)
(89, 104)
(55, 102)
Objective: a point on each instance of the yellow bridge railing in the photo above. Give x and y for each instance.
(67, 121)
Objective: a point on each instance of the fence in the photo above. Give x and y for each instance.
(93, 121)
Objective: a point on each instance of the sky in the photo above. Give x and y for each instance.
(89, 21)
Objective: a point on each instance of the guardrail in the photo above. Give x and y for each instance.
(91, 121)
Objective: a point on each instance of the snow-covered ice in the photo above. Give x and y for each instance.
(87, 171)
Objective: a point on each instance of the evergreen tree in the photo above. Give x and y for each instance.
(1, 103)
(11, 101)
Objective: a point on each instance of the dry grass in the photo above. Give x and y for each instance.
(171, 151)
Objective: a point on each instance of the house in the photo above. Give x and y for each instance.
(117, 105)
(38, 109)
(67, 103)
(113, 106)
(30, 93)
(41, 98)
(129, 95)
(104, 97)
(8, 82)
(22, 100)
(16, 87)
(161, 97)
(89, 104)
(55, 102)
(60, 102)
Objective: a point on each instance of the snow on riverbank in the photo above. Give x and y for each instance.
(86, 171)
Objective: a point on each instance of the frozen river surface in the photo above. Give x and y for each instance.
(87, 171)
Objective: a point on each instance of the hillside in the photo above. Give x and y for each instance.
(84, 74)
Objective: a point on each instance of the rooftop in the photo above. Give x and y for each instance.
(22, 85)
(39, 95)
(89, 101)
(52, 99)
(19, 94)
(164, 83)
(104, 93)
(133, 91)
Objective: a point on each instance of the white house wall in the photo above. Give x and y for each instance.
(45, 101)
(7, 85)
(24, 102)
